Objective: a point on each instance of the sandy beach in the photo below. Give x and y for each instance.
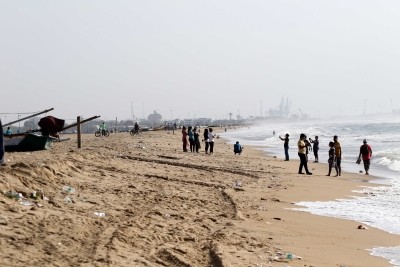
(141, 201)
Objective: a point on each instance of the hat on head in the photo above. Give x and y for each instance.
(365, 141)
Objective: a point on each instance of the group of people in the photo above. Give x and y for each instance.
(334, 153)
(191, 137)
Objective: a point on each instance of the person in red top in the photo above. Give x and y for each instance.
(366, 153)
(184, 138)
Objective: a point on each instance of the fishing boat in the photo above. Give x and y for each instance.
(27, 142)
(40, 139)
(30, 141)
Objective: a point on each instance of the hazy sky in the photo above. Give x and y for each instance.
(198, 58)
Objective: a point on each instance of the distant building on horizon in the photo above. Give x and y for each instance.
(154, 118)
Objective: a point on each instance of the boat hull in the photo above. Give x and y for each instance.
(27, 142)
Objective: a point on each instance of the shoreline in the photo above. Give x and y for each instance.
(351, 182)
(164, 207)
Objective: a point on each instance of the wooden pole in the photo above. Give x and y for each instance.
(78, 127)
(28, 117)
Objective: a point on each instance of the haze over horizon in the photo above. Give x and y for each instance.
(189, 59)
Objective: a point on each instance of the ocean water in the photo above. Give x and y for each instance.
(379, 206)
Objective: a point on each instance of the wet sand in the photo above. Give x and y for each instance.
(141, 201)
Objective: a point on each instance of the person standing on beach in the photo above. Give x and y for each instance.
(315, 143)
(205, 135)
(103, 129)
(196, 139)
(302, 154)
(286, 146)
(191, 139)
(308, 146)
(184, 139)
(211, 137)
(332, 159)
(338, 153)
(366, 153)
(1, 144)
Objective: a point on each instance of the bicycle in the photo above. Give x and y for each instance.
(134, 131)
(98, 133)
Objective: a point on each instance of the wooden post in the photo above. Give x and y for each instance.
(78, 127)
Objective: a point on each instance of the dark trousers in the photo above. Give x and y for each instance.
(366, 164)
(207, 145)
(197, 145)
(303, 162)
(211, 147)
(191, 144)
(316, 154)
(286, 153)
(332, 164)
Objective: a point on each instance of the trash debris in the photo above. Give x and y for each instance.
(68, 189)
(68, 200)
(26, 203)
(13, 195)
(362, 227)
(166, 215)
(100, 214)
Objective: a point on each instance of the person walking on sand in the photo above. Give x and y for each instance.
(302, 154)
(184, 139)
(315, 143)
(205, 135)
(332, 159)
(338, 153)
(211, 137)
(286, 146)
(366, 154)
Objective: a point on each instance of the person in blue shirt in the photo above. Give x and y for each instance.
(8, 131)
(237, 148)
(191, 139)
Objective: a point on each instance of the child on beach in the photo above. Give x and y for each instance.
(315, 147)
(332, 159)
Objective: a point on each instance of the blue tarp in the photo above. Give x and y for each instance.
(1, 144)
